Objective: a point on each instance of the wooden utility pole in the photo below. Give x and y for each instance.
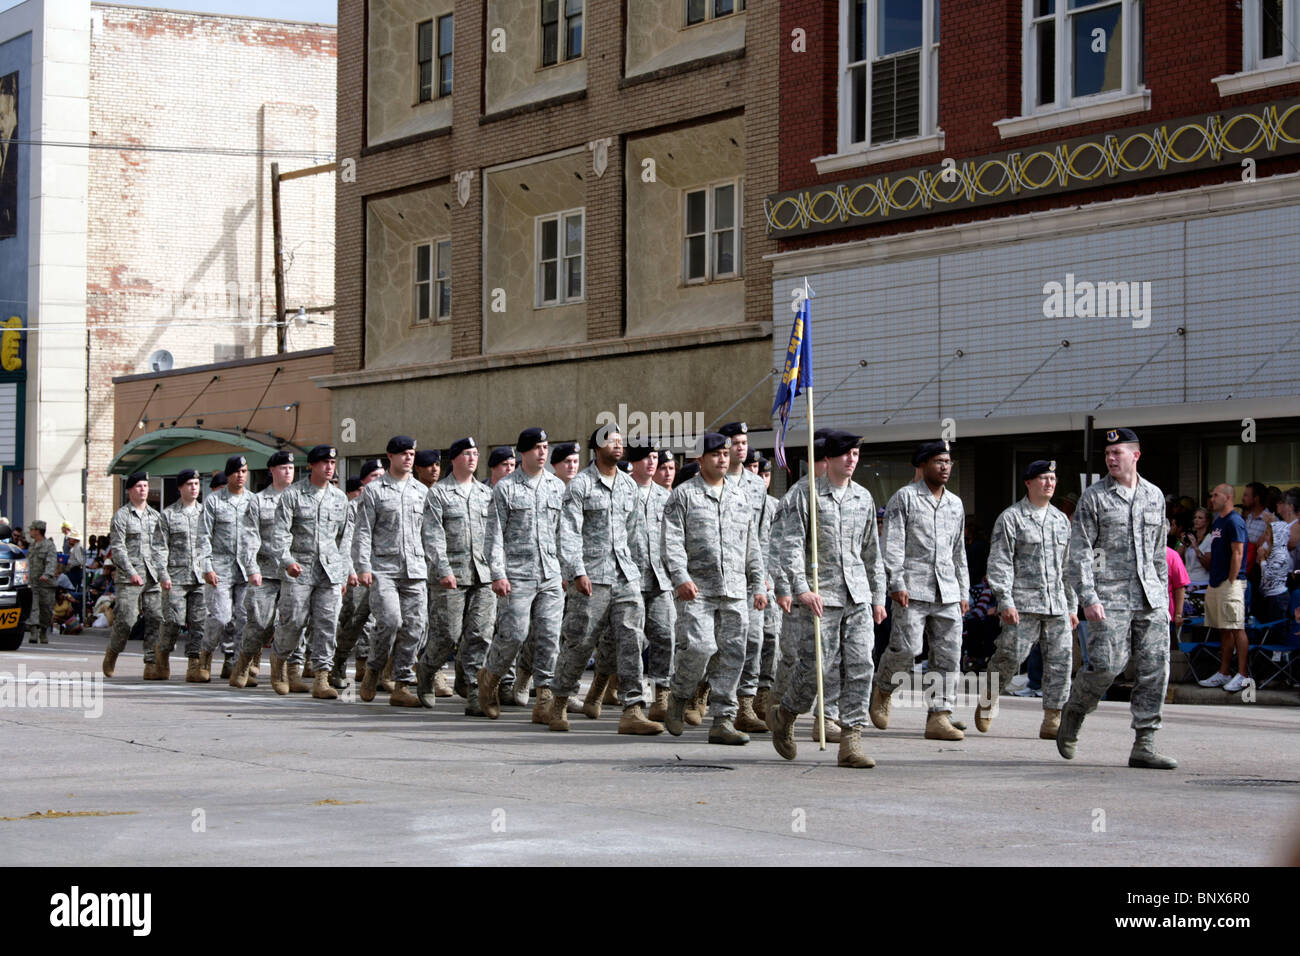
(278, 265)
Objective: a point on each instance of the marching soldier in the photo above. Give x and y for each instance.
(755, 492)
(1116, 565)
(355, 620)
(139, 554)
(523, 528)
(183, 603)
(772, 613)
(925, 561)
(514, 686)
(711, 553)
(647, 550)
(666, 470)
(428, 466)
(566, 460)
(260, 599)
(312, 548)
(599, 516)
(42, 572)
(388, 553)
(463, 610)
(1026, 571)
(228, 565)
(850, 599)
(500, 463)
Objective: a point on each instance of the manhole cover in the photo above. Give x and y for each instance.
(674, 768)
(1243, 782)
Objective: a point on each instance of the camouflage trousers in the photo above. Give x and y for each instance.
(940, 624)
(1052, 633)
(42, 617)
(748, 686)
(709, 626)
(617, 609)
(660, 620)
(225, 609)
(771, 632)
(533, 610)
(1145, 636)
(401, 609)
(259, 615)
(848, 634)
(354, 624)
(461, 620)
(787, 655)
(606, 655)
(132, 601)
(311, 605)
(184, 604)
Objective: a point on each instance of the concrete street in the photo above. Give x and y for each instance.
(178, 773)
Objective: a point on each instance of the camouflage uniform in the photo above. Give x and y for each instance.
(772, 613)
(925, 555)
(647, 547)
(42, 559)
(523, 530)
(355, 620)
(260, 599)
(711, 539)
(184, 604)
(1026, 572)
(599, 517)
(387, 543)
(456, 543)
(851, 578)
(311, 531)
(139, 548)
(1116, 558)
(755, 492)
(228, 550)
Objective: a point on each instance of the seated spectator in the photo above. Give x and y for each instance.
(103, 608)
(1275, 561)
(980, 627)
(65, 613)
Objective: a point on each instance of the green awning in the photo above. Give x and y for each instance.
(139, 453)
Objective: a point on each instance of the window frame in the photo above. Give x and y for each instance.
(420, 95)
(1252, 20)
(432, 284)
(562, 24)
(439, 57)
(561, 259)
(1132, 63)
(710, 12)
(710, 231)
(928, 72)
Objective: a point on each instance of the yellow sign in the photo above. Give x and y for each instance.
(10, 343)
(9, 617)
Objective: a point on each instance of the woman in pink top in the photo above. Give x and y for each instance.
(1178, 580)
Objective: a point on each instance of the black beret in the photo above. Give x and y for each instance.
(500, 455)
(354, 484)
(1037, 468)
(713, 441)
(752, 457)
(563, 450)
(689, 471)
(460, 445)
(822, 433)
(624, 465)
(638, 452)
(819, 448)
(370, 467)
(322, 453)
(280, 458)
(428, 456)
(186, 474)
(529, 439)
(218, 480)
(400, 443)
(734, 428)
(234, 463)
(1117, 435)
(665, 457)
(927, 450)
(841, 443)
(765, 466)
(601, 435)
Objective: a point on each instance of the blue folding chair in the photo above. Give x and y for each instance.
(1284, 654)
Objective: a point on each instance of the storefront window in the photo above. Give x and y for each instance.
(1272, 462)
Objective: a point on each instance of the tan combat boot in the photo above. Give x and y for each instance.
(851, 754)
(308, 671)
(296, 684)
(192, 672)
(938, 726)
(321, 689)
(240, 677)
(279, 679)
(698, 708)
(675, 720)
(255, 665)
(522, 679)
(205, 667)
(634, 721)
(150, 671)
(558, 718)
(361, 669)
(227, 668)
(110, 662)
(401, 697)
(162, 661)
(1051, 724)
(386, 679)
(440, 688)
(783, 731)
(984, 719)
(487, 693)
(595, 693)
(611, 690)
(746, 720)
(659, 709)
(879, 709)
(833, 733)
(369, 683)
(542, 709)
(724, 731)
(760, 703)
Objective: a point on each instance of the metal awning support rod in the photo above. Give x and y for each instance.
(862, 363)
(933, 378)
(770, 373)
(1178, 332)
(1065, 344)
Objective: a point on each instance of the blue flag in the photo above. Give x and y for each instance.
(797, 374)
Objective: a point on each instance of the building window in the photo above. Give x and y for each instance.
(711, 248)
(1077, 49)
(1268, 27)
(697, 11)
(561, 31)
(426, 57)
(889, 71)
(433, 281)
(444, 55)
(559, 240)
